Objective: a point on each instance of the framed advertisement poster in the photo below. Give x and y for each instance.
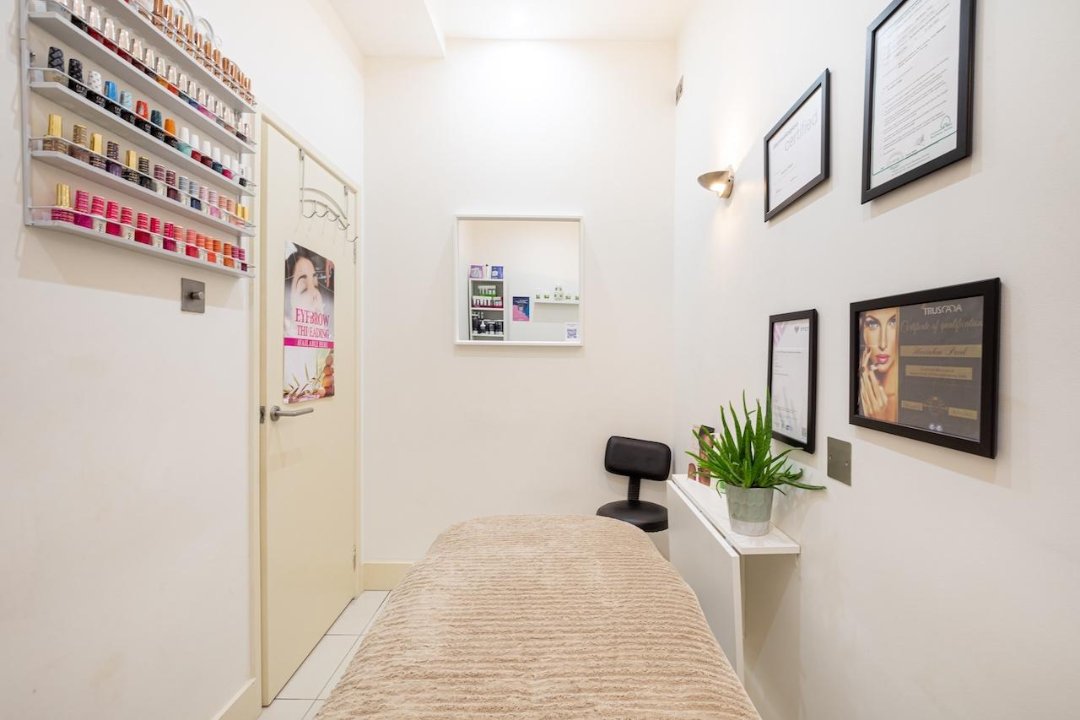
(925, 365)
(793, 377)
(917, 112)
(797, 149)
(309, 326)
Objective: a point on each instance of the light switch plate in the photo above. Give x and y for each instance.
(840, 460)
(192, 296)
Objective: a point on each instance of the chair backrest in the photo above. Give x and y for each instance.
(639, 459)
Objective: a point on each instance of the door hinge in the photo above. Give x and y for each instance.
(262, 414)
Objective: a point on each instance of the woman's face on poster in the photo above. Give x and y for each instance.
(879, 329)
(304, 288)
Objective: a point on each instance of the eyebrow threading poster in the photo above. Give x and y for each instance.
(308, 368)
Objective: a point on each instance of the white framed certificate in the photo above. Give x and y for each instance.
(793, 377)
(917, 115)
(797, 149)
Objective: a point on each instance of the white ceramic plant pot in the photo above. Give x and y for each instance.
(749, 509)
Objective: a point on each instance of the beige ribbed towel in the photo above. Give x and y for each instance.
(540, 618)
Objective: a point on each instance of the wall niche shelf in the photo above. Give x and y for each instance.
(212, 212)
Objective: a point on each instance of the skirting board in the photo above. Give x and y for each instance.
(245, 704)
(384, 576)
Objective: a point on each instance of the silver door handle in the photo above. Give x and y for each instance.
(276, 412)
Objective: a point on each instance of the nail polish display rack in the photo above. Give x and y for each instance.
(46, 23)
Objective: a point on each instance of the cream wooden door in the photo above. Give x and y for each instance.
(308, 461)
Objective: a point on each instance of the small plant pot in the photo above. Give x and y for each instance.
(749, 509)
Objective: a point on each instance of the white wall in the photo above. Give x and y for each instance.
(124, 492)
(511, 128)
(939, 585)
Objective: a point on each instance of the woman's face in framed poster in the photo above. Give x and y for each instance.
(878, 365)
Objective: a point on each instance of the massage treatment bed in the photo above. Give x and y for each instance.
(540, 617)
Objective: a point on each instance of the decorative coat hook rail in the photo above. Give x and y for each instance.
(315, 203)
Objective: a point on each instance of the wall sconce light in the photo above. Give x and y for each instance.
(720, 182)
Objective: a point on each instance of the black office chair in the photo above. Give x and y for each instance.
(639, 460)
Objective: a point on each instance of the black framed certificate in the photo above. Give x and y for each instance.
(917, 114)
(797, 149)
(925, 365)
(793, 377)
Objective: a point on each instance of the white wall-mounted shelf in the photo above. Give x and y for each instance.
(128, 15)
(77, 167)
(61, 95)
(127, 74)
(155, 250)
(713, 506)
(557, 302)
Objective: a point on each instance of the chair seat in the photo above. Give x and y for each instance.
(648, 516)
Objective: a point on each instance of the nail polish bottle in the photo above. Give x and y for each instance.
(81, 216)
(159, 179)
(216, 155)
(61, 211)
(161, 72)
(149, 59)
(127, 102)
(80, 140)
(170, 186)
(131, 167)
(97, 158)
(173, 79)
(243, 175)
(75, 77)
(112, 159)
(158, 15)
(145, 180)
(112, 218)
(184, 145)
(94, 24)
(184, 186)
(127, 223)
(191, 243)
(56, 60)
(195, 154)
(123, 43)
(193, 195)
(97, 213)
(109, 34)
(155, 228)
(137, 52)
(207, 154)
(112, 98)
(156, 125)
(168, 240)
(170, 133)
(54, 142)
(78, 14)
(96, 89)
(142, 229)
(142, 116)
(182, 83)
(226, 166)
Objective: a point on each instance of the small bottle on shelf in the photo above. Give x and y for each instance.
(61, 211)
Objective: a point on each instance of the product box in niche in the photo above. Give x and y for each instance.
(308, 367)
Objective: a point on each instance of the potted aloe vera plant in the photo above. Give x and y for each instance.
(742, 461)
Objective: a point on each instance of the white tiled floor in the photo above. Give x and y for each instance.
(308, 688)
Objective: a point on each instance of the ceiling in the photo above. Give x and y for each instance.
(418, 27)
(561, 19)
